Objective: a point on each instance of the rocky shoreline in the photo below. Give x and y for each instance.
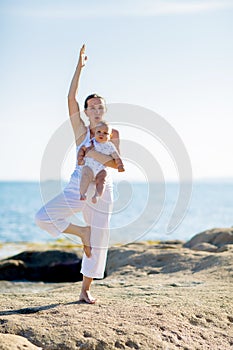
(164, 295)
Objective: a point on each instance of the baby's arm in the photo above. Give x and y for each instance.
(86, 179)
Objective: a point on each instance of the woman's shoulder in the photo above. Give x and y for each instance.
(115, 139)
(82, 135)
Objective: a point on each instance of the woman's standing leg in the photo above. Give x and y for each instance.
(85, 294)
(98, 217)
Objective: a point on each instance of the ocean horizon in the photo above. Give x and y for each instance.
(210, 206)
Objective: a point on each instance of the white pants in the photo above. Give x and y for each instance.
(53, 218)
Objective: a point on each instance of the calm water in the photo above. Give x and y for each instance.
(211, 206)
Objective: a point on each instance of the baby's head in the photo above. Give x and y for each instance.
(102, 132)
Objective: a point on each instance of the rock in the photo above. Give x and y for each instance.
(172, 242)
(46, 266)
(223, 238)
(212, 262)
(145, 260)
(12, 268)
(133, 260)
(217, 237)
(225, 248)
(15, 342)
(207, 247)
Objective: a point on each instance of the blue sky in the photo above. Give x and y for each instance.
(173, 57)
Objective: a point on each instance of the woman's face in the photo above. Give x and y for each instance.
(95, 110)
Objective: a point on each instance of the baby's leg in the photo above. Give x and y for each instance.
(81, 155)
(100, 181)
(86, 178)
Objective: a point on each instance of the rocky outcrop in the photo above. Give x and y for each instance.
(154, 259)
(62, 265)
(215, 240)
(46, 266)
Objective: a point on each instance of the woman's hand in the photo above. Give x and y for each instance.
(101, 158)
(82, 56)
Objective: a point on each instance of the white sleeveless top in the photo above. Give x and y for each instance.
(86, 142)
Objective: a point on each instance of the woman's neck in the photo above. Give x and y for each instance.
(92, 130)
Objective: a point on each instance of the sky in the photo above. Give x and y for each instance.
(174, 58)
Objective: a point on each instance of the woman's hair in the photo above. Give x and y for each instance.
(90, 97)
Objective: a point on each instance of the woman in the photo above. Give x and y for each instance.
(52, 217)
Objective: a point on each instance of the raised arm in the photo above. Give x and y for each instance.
(74, 110)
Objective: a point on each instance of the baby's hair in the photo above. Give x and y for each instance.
(90, 97)
(104, 123)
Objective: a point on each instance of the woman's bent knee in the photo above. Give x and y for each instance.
(41, 218)
(53, 225)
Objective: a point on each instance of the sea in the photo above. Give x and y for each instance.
(141, 211)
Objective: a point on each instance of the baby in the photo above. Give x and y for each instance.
(92, 169)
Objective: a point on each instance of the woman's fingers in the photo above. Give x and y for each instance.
(83, 57)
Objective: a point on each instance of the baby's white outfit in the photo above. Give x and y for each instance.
(103, 147)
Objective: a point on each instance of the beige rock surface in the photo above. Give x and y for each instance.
(160, 296)
(217, 237)
(15, 342)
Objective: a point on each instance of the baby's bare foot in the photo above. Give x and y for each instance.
(86, 296)
(85, 235)
(83, 197)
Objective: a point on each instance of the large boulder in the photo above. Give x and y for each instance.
(46, 266)
(217, 237)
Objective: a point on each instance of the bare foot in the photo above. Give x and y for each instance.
(83, 197)
(85, 234)
(94, 199)
(121, 169)
(86, 296)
